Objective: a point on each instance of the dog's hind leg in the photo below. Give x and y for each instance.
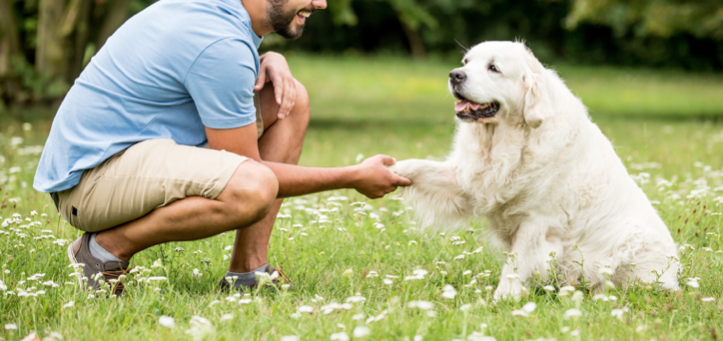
(531, 255)
(437, 197)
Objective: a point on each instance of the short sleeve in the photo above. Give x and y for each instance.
(221, 83)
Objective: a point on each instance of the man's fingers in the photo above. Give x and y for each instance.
(260, 81)
(289, 99)
(404, 182)
(278, 88)
(388, 160)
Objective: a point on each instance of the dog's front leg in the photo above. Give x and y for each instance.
(435, 193)
(532, 245)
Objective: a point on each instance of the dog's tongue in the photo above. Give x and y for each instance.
(462, 106)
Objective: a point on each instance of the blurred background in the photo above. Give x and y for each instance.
(46, 43)
(650, 71)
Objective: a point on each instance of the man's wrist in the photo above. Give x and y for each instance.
(351, 176)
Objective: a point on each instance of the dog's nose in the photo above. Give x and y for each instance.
(457, 76)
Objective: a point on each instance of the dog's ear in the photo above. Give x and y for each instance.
(537, 102)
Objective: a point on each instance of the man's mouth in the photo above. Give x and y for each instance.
(302, 15)
(468, 110)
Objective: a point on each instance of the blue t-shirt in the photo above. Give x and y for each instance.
(170, 70)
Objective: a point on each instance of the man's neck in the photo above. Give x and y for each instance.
(259, 19)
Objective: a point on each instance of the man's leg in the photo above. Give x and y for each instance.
(247, 198)
(281, 142)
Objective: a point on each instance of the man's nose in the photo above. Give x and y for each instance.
(457, 76)
(319, 4)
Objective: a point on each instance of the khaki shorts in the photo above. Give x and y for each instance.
(146, 176)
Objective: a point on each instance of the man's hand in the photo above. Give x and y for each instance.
(374, 179)
(274, 69)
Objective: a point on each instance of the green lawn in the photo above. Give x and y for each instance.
(668, 125)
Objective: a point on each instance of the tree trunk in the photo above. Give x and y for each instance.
(49, 58)
(9, 39)
(80, 40)
(415, 41)
(9, 50)
(116, 15)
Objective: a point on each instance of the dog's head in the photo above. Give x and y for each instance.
(500, 82)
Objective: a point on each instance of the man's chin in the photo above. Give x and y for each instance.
(290, 33)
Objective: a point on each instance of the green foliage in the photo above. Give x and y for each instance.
(662, 18)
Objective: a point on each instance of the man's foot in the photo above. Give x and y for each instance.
(276, 278)
(94, 268)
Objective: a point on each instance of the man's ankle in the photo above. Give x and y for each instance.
(113, 248)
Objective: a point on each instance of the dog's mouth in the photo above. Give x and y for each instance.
(468, 110)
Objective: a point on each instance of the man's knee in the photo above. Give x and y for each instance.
(302, 108)
(251, 192)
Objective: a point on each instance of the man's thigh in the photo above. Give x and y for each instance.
(146, 176)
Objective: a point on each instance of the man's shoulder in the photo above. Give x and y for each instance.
(196, 23)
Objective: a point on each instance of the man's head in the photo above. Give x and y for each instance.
(288, 17)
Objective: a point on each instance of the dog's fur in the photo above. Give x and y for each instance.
(547, 179)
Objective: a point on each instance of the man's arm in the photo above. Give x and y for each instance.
(371, 177)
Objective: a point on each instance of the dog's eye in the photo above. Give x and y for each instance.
(493, 68)
(464, 61)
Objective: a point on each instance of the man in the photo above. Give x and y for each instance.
(123, 162)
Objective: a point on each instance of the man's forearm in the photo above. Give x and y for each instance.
(298, 180)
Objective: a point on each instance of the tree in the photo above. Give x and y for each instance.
(661, 18)
(45, 44)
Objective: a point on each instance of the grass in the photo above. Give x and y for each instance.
(666, 127)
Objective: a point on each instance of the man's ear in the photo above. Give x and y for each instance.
(537, 102)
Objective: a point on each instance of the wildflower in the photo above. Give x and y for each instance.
(69, 304)
(200, 328)
(11, 326)
(357, 317)
(564, 291)
(417, 337)
(329, 308)
(290, 338)
(372, 274)
(157, 278)
(449, 292)
(196, 273)
(305, 309)
(572, 313)
(418, 274)
(377, 318)
(226, 317)
(355, 299)
(465, 307)
(641, 327)
(707, 299)
(387, 281)
(477, 336)
(459, 257)
(244, 301)
(179, 249)
(528, 308)
(348, 272)
(361, 331)
(467, 273)
(424, 305)
(618, 313)
(693, 282)
(341, 336)
(549, 288)
(3, 287)
(577, 297)
(167, 321)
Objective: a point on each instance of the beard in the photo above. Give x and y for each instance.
(282, 20)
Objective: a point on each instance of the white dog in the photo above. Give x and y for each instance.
(527, 157)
